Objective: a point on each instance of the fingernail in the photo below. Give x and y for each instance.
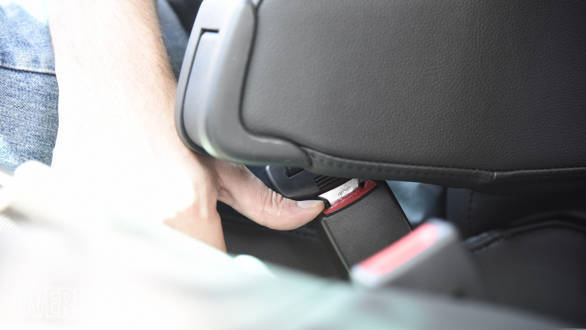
(310, 204)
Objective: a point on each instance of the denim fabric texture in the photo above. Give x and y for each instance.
(28, 87)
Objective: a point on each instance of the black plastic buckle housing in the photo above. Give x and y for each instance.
(431, 258)
(364, 226)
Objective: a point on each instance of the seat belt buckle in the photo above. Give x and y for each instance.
(361, 216)
(430, 258)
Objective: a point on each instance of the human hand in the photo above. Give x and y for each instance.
(116, 126)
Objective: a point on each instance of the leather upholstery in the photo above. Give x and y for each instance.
(475, 212)
(537, 266)
(481, 94)
(461, 93)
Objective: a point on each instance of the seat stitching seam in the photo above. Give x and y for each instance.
(323, 159)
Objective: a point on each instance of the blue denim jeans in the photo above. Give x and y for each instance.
(29, 94)
(28, 88)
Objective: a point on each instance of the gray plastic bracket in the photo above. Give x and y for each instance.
(210, 87)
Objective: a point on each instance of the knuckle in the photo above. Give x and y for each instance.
(272, 202)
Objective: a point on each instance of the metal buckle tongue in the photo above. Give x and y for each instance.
(340, 192)
(346, 194)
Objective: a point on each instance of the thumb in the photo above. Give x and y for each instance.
(251, 197)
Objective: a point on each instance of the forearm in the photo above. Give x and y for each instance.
(113, 72)
(111, 45)
(116, 96)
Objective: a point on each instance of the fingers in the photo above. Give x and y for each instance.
(249, 196)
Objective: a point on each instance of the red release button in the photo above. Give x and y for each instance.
(402, 250)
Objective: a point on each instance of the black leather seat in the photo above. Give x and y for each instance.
(485, 97)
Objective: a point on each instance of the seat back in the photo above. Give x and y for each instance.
(480, 94)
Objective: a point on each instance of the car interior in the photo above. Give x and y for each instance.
(486, 99)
